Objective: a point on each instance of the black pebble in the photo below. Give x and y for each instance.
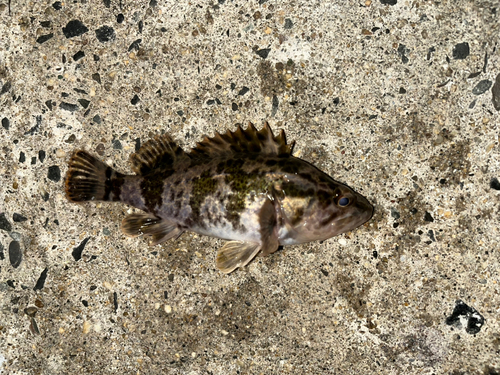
(234, 106)
(2, 256)
(97, 119)
(171, 277)
(41, 155)
(5, 123)
(4, 223)
(117, 145)
(402, 51)
(120, 18)
(494, 184)
(395, 213)
(275, 105)
(263, 52)
(135, 45)
(79, 55)
(18, 218)
(107, 3)
(41, 280)
(77, 251)
(96, 77)
(389, 2)
(68, 107)
(22, 157)
(43, 38)
(288, 23)
(482, 87)
(105, 34)
(115, 300)
(48, 103)
(495, 93)
(461, 51)
(153, 3)
(57, 5)
(428, 217)
(336, 100)
(210, 102)
(33, 160)
(6, 87)
(84, 103)
(165, 294)
(180, 113)
(324, 272)
(474, 319)
(54, 173)
(243, 90)
(135, 100)
(74, 28)
(402, 90)
(15, 254)
(137, 144)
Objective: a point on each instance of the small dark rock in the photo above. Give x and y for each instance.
(54, 173)
(474, 75)
(234, 106)
(395, 214)
(22, 157)
(137, 144)
(402, 90)
(243, 90)
(474, 319)
(263, 52)
(49, 104)
(389, 2)
(57, 5)
(135, 100)
(288, 23)
(77, 251)
(43, 38)
(4, 223)
(402, 51)
(210, 102)
(79, 55)
(120, 17)
(2, 256)
(41, 280)
(275, 105)
(105, 34)
(494, 184)
(135, 45)
(117, 145)
(97, 119)
(461, 51)
(324, 272)
(96, 77)
(153, 3)
(6, 87)
(71, 139)
(33, 160)
(84, 103)
(428, 217)
(5, 123)
(107, 3)
(74, 28)
(68, 107)
(41, 156)
(18, 218)
(482, 87)
(180, 113)
(495, 93)
(15, 254)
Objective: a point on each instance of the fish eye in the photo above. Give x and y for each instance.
(343, 202)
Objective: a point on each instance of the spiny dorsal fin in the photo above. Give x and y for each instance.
(243, 141)
(157, 153)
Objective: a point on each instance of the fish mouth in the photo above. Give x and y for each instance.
(364, 210)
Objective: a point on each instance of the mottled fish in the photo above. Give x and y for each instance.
(242, 186)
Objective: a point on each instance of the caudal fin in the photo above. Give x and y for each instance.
(89, 179)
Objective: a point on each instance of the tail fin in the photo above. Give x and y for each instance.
(89, 179)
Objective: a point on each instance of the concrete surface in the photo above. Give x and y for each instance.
(396, 101)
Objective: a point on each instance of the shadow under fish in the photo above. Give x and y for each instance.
(242, 186)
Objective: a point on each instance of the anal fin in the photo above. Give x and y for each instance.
(160, 230)
(236, 254)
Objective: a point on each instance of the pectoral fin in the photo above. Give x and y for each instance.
(236, 254)
(160, 230)
(268, 222)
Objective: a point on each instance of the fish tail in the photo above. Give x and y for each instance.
(89, 179)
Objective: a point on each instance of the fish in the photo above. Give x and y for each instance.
(243, 186)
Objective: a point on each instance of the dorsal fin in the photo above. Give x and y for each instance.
(249, 141)
(158, 153)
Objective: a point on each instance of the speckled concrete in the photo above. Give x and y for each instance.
(397, 101)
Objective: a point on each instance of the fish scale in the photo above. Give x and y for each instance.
(243, 186)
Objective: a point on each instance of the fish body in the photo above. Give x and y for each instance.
(242, 186)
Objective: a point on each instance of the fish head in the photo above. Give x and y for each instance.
(324, 212)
